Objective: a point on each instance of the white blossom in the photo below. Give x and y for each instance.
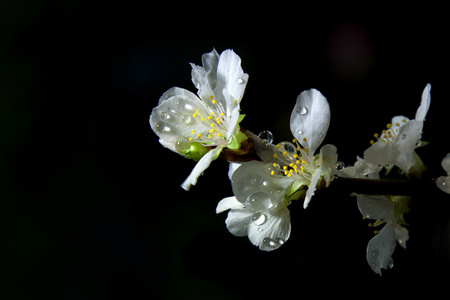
(199, 127)
(388, 211)
(289, 171)
(396, 144)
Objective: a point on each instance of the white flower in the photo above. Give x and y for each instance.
(443, 182)
(388, 211)
(200, 127)
(263, 189)
(259, 208)
(309, 124)
(396, 145)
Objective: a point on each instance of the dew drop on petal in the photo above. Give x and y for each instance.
(162, 127)
(164, 115)
(240, 80)
(270, 242)
(187, 119)
(302, 110)
(339, 166)
(300, 131)
(259, 218)
(266, 136)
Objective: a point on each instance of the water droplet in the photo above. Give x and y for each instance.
(300, 131)
(260, 201)
(240, 80)
(259, 218)
(390, 264)
(266, 136)
(270, 242)
(339, 166)
(161, 127)
(288, 147)
(164, 115)
(302, 110)
(279, 241)
(374, 253)
(187, 119)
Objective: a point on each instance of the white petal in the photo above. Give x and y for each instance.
(173, 117)
(401, 234)
(228, 203)
(200, 167)
(238, 221)
(274, 231)
(375, 207)
(446, 163)
(310, 119)
(443, 183)
(328, 154)
(231, 77)
(206, 75)
(311, 188)
(233, 167)
(381, 247)
(424, 104)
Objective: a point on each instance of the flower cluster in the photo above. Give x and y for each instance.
(205, 126)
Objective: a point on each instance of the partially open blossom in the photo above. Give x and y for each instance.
(200, 127)
(387, 211)
(396, 144)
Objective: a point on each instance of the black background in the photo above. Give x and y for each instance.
(90, 204)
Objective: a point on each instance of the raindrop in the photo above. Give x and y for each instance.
(279, 241)
(259, 218)
(266, 136)
(260, 201)
(302, 110)
(240, 80)
(164, 115)
(187, 119)
(269, 242)
(288, 147)
(300, 131)
(339, 166)
(390, 264)
(161, 127)
(260, 229)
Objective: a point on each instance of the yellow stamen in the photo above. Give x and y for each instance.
(273, 172)
(274, 156)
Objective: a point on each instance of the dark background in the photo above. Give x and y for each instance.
(90, 204)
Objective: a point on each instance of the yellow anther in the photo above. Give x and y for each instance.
(275, 165)
(397, 124)
(209, 117)
(211, 97)
(375, 231)
(306, 149)
(302, 168)
(201, 119)
(289, 175)
(383, 131)
(199, 135)
(212, 130)
(212, 125)
(303, 162)
(404, 120)
(376, 135)
(298, 148)
(278, 146)
(219, 134)
(213, 101)
(210, 136)
(295, 167)
(295, 156)
(372, 142)
(294, 141)
(291, 171)
(190, 139)
(222, 114)
(194, 115)
(273, 172)
(193, 131)
(286, 172)
(370, 225)
(274, 156)
(284, 153)
(211, 114)
(304, 139)
(291, 165)
(389, 125)
(297, 162)
(285, 168)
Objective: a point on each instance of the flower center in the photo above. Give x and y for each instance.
(390, 134)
